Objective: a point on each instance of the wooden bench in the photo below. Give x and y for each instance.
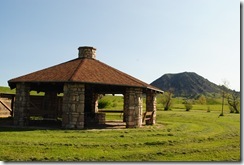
(111, 111)
(147, 116)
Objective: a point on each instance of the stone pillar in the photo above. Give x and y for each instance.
(22, 102)
(73, 106)
(50, 104)
(151, 103)
(133, 107)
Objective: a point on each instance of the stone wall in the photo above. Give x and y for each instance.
(21, 107)
(133, 107)
(73, 106)
(100, 118)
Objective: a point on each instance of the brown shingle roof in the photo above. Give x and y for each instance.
(85, 71)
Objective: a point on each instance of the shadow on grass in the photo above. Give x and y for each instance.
(6, 125)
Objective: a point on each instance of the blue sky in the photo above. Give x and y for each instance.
(144, 38)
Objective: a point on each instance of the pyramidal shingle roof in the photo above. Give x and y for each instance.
(83, 70)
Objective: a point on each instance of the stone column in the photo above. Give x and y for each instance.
(151, 103)
(73, 106)
(50, 103)
(133, 107)
(21, 106)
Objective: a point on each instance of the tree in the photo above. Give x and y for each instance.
(234, 102)
(167, 100)
(224, 94)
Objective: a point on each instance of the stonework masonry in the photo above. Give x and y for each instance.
(151, 103)
(22, 104)
(133, 107)
(87, 52)
(73, 106)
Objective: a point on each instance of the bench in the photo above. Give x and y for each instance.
(147, 116)
(111, 111)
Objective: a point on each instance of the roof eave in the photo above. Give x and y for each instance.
(12, 84)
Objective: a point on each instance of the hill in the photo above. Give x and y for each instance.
(6, 90)
(186, 84)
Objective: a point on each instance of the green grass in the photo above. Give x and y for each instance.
(177, 136)
(115, 102)
(13, 91)
(7, 90)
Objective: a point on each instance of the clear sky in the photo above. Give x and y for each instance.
(144, 38)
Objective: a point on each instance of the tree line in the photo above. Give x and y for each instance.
(232, 98)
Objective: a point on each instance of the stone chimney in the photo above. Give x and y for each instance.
(87, 52)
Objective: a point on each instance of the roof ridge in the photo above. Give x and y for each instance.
(77, 68)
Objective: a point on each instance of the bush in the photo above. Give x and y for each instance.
(188, 105)
(167, 100)
(103, 104)
(202, 100)
(114, 104)
(232, 110)
(209, 110)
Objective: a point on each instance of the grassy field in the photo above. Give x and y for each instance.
(13, 91)
(177, 136)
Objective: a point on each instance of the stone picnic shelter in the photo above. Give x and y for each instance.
(81, 81)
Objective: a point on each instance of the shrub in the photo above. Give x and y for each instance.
(103, 104)
(232, 110)
(167, 100)
(114, 104)
(188, 105)
(202, 100)
(209, 110)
